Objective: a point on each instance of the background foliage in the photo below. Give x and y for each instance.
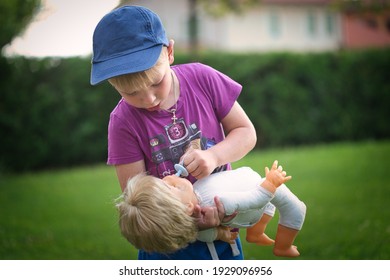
(51, 117)
(14, 16)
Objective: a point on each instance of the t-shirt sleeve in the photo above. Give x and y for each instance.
(122, 144)
(223, 90)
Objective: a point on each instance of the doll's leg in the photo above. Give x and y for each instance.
(292, 213)
(255, 234)
(284, 242)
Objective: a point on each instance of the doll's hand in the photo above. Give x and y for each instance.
(224, 234)
(199, 163)
(276, 176)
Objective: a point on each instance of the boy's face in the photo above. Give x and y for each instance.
(153, 97)
(160, 93)
(181, 188)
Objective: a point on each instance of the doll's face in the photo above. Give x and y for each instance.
(181, 188)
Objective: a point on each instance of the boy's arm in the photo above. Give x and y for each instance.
(126, 171)
(240, 139)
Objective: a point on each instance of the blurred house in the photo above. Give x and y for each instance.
(367, 28)
(275, 25)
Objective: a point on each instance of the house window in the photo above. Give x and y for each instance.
(371, 23)
(274, 25)
(311, 24)
(329, 23)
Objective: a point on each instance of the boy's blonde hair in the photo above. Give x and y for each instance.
(152, 219)
(140, 80)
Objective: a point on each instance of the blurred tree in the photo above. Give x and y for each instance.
(362, 6)
(15, 15)
(219, 8)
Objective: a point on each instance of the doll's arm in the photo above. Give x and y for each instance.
(217, 233)
(258, 197)
(238, 201)
(208, 235)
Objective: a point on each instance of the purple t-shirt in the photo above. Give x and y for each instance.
(206, 97)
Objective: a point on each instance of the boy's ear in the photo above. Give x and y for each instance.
(171, 57)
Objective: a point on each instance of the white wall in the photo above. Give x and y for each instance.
(274, 28)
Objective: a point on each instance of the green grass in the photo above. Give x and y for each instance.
(66, 214)
(70, 214)
(347, 194)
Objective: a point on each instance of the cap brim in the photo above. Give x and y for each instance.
(125, 64)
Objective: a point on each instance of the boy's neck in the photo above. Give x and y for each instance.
(174, 93)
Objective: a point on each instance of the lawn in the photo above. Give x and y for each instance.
(70, 214)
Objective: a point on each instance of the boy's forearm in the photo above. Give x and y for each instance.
(240, 137)
(235, 146)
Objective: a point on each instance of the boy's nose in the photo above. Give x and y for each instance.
(150, 99)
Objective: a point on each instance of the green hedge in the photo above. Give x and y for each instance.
(51, 117)
(298, 99)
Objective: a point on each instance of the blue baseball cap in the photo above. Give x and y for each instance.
(127, 40)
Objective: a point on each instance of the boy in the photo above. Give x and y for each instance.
(155, 214)
(166, 109)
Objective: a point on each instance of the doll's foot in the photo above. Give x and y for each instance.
(260, 239)
(291, 252)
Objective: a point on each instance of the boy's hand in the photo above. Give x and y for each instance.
(199, 163)
(275, 177)
(221, 211)
(208, 217)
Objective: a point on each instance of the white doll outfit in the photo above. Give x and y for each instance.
(240, 190)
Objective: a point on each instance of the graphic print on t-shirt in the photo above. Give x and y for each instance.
(167, 148)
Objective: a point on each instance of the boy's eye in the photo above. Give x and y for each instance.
(131, 94)
(159, 82)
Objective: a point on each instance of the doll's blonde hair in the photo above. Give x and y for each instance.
(140, 80)
(153, 219)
